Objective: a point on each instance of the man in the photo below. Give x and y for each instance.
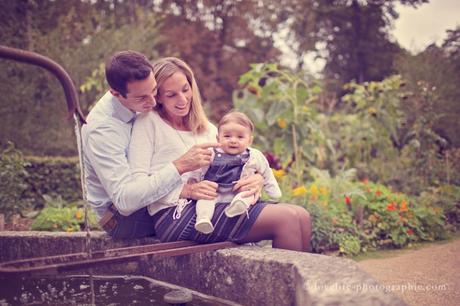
(118, 198)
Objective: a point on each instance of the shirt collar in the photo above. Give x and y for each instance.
(121, 112)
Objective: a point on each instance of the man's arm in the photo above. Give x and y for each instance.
(106, 150)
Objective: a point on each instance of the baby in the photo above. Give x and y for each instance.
(234, 160)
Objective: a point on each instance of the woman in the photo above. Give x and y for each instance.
(177, 123)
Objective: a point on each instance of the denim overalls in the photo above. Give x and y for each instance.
(225, 170)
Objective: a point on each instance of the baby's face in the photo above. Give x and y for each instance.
(234, 137)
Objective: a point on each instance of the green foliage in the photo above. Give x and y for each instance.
(13, 184)
(281, 105)
(434, 73)
(371, 136)
(80, 36)
(58, 215)
(383, 142)
(349, 244)
(52, 176)
(28, 183)
(447, 198)
(366, 216)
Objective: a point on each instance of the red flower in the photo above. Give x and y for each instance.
(378, 193)
(391, 206)
(347, 200)
(410, 232)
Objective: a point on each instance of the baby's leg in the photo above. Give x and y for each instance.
(238, 206)
(204, 213)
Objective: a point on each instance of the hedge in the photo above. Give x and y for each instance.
(53, 176)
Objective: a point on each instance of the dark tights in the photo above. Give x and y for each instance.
(289, 226)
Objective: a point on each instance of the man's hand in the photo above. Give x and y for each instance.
(198, 156)
(250, 186)
(204, 190)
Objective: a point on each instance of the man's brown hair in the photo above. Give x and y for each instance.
(124, 67)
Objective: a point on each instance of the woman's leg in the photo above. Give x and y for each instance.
(284, 225)
(305, 225)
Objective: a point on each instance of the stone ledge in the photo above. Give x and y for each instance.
(27, 244)
(247, 275)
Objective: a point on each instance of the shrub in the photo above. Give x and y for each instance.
(52, 176)
(58, 215)
(447, 198)
(352, 217)
(13, 181)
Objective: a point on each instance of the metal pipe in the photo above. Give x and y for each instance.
(73, 105)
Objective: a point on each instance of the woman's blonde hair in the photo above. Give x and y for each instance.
(239, 118)
(196, 119)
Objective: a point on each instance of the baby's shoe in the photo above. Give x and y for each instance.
(204, 226)
(235, 208)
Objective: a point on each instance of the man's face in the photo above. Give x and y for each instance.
(140, 96)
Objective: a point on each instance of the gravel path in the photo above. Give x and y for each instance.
(427, 276)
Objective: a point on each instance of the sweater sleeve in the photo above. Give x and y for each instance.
(271, 186)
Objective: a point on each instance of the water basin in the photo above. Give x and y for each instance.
(104, 290)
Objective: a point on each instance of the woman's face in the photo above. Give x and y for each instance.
(175, 96)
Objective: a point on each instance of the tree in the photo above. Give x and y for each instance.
(219, 39)
(437, 70)
(351, 35)
(80, 36)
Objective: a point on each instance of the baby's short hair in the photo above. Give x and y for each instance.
(237, 117)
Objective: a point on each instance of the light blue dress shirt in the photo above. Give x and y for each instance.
(105, 143)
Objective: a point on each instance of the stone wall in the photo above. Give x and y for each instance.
(248, 275)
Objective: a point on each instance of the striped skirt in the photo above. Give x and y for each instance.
(225, 229)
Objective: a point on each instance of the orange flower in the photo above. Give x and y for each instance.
(279, 174)
(403, 207)
(324, 191)
(254, 90)
(299, 191)
(314, 190)
(78, 215)
(365, 181)
(378, 193)
(281, 123)
(372, 111)
(347, 200)
(391, 206)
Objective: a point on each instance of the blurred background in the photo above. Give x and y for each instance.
(356, 107)
(334, 42)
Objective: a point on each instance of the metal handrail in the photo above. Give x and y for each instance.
(73, 105)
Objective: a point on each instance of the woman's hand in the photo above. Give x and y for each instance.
(250, 186)
(204, 190)
(198, 156)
